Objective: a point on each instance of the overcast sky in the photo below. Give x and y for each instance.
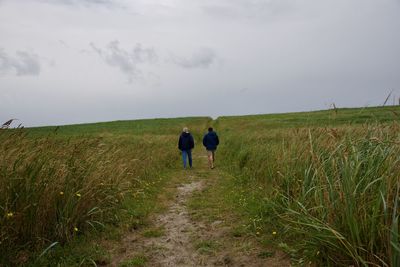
(74, 61)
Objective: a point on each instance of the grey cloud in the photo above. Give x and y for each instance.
(105, 3)
(288, 57)
(23, 63)
(203, 58)
(63, 43)
(126, 61)
(249, 8)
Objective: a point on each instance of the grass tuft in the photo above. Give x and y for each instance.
(139, 260)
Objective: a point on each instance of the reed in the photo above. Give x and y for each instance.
(57, 184)
(345, 204)
(329, 189)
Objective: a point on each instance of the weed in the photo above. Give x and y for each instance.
(139, 260)
(156, 232)
(266, 254)
(239, 231)
(206, 246)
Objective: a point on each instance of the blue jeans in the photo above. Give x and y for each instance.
(187, 153)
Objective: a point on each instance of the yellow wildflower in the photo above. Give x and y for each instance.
(61, 193)
(76, 229)
(10, 214)
(78, 195)
(257, 233)
(274, 233)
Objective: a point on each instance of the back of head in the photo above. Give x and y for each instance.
(210, 129)
(185, 130)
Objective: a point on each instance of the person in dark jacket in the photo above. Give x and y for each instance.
(211, 141)
(186, 144)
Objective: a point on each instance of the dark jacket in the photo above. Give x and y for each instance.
(211, 141)
(186, 141)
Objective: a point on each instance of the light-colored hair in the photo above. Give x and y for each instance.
(185, 129)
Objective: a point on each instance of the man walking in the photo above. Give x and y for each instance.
(186, 144)
(211, 141)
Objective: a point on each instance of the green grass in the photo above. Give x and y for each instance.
(266, 254)
(129, 128)
(326, 182)
(78, 252)
(139, 260)
(334, 117)
(56, 186)
(156, 232)
(206, 246)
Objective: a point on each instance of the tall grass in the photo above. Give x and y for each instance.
(54, 187)
(333, 192)
(345, 203)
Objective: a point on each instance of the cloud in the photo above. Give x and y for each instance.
(23, 63)
(87, 3)
(126, 61)
(203, 58)
(249, 8)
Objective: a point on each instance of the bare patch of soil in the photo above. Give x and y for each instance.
(173, 247)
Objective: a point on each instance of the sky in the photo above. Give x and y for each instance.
(77, 61)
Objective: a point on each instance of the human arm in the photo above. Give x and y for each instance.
(191, 142)
(180, 143)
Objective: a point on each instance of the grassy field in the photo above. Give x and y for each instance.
(58, 184)
(322, 186)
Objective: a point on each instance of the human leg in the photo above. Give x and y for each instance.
(189, 153)
(210, 159)
(184, 155)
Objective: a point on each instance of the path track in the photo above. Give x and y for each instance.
(177, 245)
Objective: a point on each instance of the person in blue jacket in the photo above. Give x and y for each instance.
(186, 144)
(211, 141)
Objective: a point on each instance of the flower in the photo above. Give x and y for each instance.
(76, 229)
(257, 233)
(9, 215)
(61, 193)
(78, 195)
(274, 233)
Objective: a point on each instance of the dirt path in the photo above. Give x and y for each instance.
(175, 248)
(186, 236)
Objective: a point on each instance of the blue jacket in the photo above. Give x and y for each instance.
(186, 141)
(211, 141)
